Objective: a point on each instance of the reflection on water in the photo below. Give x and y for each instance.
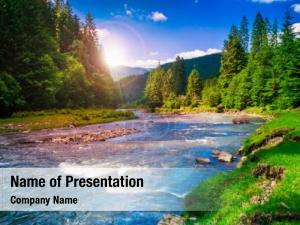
(162, 142)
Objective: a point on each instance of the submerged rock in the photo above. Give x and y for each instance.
(201, 160)
(170, 219)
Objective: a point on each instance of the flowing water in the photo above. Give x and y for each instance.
(161, 142)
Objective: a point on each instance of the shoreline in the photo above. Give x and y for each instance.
(242, 186)
(63, 118)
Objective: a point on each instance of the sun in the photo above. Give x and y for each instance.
(115, 54)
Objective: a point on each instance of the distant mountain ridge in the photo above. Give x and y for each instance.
(132, 87)
(207, 66)
(119, 72)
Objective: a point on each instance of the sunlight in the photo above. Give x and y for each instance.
(115, 54)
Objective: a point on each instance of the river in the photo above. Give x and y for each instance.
(161, 142)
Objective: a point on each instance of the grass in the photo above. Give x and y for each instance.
(229, 194)
(48, 119)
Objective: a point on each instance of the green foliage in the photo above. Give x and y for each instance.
(244, 33)
(36, 41)
(287, 68)
(74, 82)
(208, 66)
(153, 90)
(47, 119)
(270, 77)
(210, 93)
(178, 73)
(194, 88)
(229, 194)
(172, 102)
(233, 61)
(259, 37)
(10, 94)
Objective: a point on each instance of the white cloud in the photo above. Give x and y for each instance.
(128, 11)
(268, 1)
(296, 7)
(152, 63)
(296, 29)
(149, 63)
(197, 53)
(158, 17)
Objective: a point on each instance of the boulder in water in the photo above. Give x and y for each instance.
(241, 120)
(225, 157)
(170, 219)
(201, 160)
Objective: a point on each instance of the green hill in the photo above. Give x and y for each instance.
(208, 66)
(132, 87)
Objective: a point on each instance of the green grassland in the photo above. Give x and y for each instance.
(25, 121)
(229, 194)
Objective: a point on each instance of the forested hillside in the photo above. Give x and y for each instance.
(120, 72)
(261, 69)
(208, 66)
(48, 58)
(132, 88)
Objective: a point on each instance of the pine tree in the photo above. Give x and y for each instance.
(244, 33)
(210, 93)
(178, 71)
(168, 84)
(259, 37)
(68, 27)
(287, 67)
(194, 87)
(153, 89)
(274, 34)
(234, 59)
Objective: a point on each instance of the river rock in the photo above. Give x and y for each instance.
(216, 153)
(170, 219)
(225, 157)
(201, 160)
(241, 120)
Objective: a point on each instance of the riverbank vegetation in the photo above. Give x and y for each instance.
(265, 190)
(50, 59)
(48, 119)
(261, 71)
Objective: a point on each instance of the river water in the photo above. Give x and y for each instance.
(161, 142)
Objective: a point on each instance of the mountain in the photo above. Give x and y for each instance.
(119, 72)
(208, 66)
(132, 87)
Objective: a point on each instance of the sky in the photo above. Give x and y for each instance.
(142, 33)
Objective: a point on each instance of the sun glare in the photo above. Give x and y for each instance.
(114, 54)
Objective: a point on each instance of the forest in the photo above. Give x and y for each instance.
(258, 69)
(49, 59)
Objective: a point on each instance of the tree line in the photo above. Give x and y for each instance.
(48, 58)
(258, 69)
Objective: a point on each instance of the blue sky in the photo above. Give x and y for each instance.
(141, 32)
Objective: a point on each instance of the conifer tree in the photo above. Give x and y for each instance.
(287, 66)
(179, 76)
(194, 87)
(153, 89)
(259, 37)
(233, 60)
(244, 33)
(274, 34)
